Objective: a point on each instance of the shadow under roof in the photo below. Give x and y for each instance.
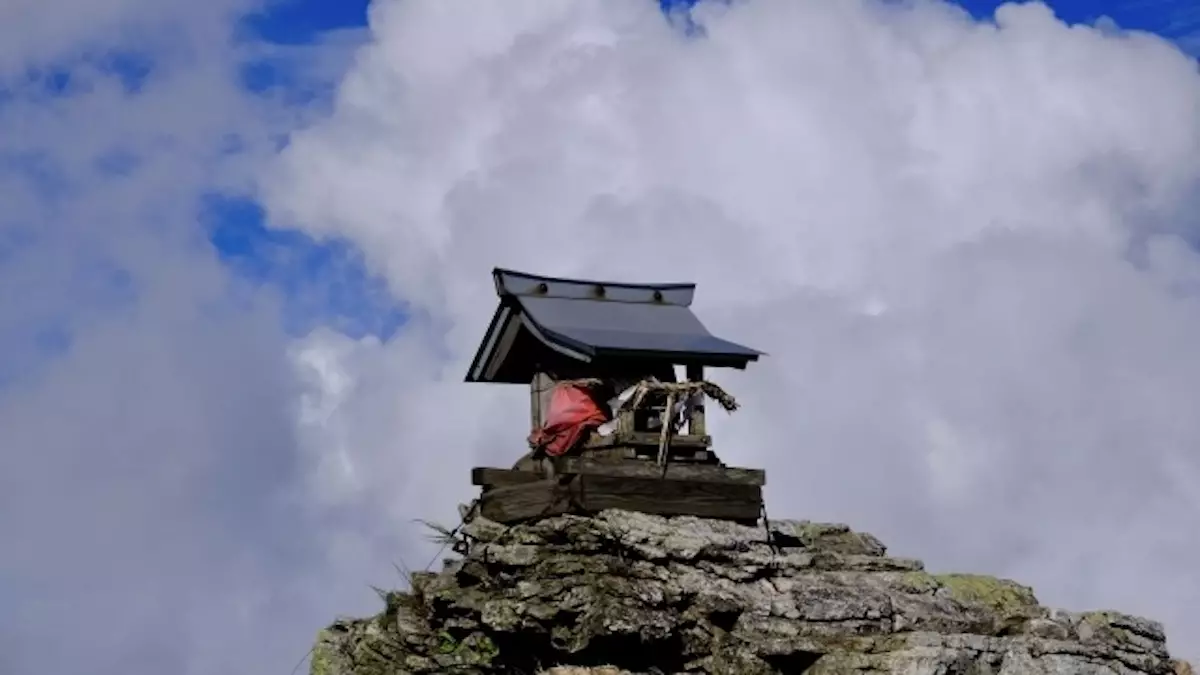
(544, 322)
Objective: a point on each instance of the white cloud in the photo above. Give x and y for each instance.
(150, 496)
(42, 31)
(1025, 404)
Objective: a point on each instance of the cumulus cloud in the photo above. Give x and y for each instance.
(964, 245)
(148, 478)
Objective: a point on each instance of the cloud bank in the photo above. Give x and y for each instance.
(967, 247)
(964, 244)
(148, 469)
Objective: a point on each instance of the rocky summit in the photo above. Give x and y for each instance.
(624, 592)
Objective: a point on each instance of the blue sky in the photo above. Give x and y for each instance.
(325, 282)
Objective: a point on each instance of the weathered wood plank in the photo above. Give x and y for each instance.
(645, 453)
(512, 503)
(677, 441)
(696, 423)
(610, 454)
(590, 493)
(679, 471)
(648, 438)
(541, 388)
(678, 455)
(670, 497)
(482, 475)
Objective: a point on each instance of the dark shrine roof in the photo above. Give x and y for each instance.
(544, 322)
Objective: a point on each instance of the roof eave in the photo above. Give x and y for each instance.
(710, 359)
(557, 341)
(544, 286)
(491, 336)
(511, 309)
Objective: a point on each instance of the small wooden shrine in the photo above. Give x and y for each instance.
(612, 426)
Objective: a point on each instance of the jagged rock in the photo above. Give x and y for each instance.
(626, 592)
(577, 670)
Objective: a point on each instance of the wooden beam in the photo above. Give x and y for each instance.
(696, 423)
(592, 493)
(680, 471)
(482, 475)
(618, 454)
(541, 388)
(671, 497)
(628, 453)
(645, 438)
(539, 499)
(652, 438)
(625, 422)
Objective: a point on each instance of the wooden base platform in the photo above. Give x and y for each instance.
(584, 486)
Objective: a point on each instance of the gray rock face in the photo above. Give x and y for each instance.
(645, 594)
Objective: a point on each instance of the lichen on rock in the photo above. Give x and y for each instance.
(624, 592)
